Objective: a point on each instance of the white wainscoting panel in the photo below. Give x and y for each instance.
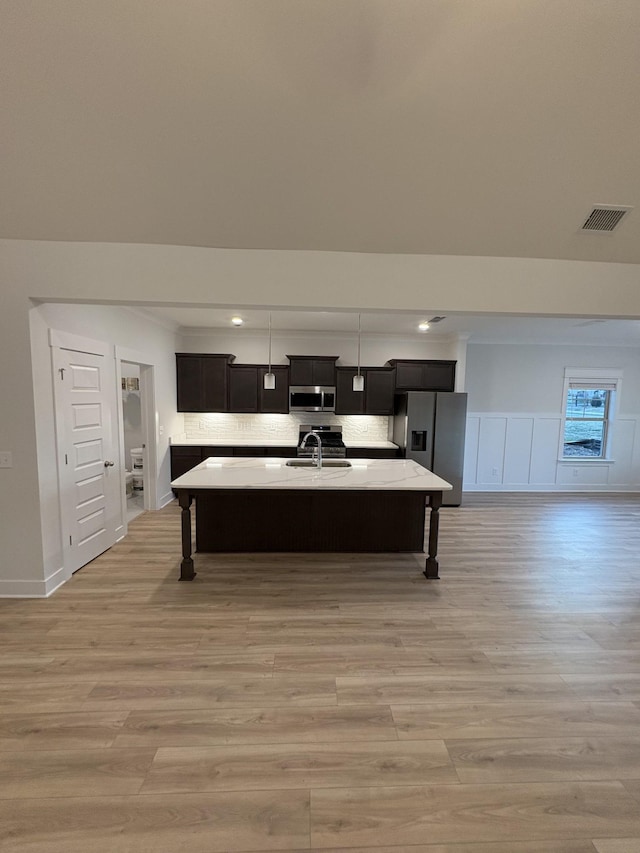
(570, 474)
(517, 453)
(471, 442)
(491, 447)
(624, 471)
(544, 450)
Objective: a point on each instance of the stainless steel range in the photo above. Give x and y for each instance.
(331, 437)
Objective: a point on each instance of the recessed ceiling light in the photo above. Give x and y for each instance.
(237, 321)
(423, 327)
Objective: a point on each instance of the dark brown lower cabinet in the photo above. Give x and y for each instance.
(183, 459)
(186, 457)
(287, 452)
(255, 450)
(249, 451)
(372, 453)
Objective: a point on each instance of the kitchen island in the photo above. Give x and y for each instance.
(277, 504)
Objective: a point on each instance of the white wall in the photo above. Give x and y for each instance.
(515, 419)
(126, 273)
(115, 326)
(251, 347)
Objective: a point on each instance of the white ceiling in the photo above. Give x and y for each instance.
(479, 329)
(427, 126)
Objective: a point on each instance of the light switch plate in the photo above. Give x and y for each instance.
(6, 459)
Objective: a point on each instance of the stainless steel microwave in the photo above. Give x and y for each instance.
(312, 398)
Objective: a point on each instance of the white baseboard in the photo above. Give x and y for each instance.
(551, 487)
(33, 589)
(166, 499)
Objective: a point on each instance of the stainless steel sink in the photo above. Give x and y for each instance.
(326, 463)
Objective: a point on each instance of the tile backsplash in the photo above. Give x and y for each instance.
(221, 426)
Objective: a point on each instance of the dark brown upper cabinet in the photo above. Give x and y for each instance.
(424, 375)
(202, 381)
(348, 401)
(379, 390)
(243, 388)
(247, 392)
(275, 401)
(312, 369)
(377, 397)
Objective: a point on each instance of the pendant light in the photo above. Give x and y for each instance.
(269, 377)
(358, 379)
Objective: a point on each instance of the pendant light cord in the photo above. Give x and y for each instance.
(269, 341)
(358, 344)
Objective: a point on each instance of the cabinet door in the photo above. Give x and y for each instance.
(243, 388)
(201, 382)
(379, 388)
(288, 451)
(425, 375)
(439, 375)
(277, 400)
(214, 382)
(301, 371)
(183, 459)
(372, 453)
(247, 450)
(348, 401)
(409, 375)
(189, 383)
(312, 371)
(324, 372)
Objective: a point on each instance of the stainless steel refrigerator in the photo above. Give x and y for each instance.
(429, 427)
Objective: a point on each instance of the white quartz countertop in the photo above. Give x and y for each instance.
(272, 442)
(232, 472)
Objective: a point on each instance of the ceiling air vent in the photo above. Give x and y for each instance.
(604, 217)
(437, 319)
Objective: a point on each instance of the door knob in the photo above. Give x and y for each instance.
(108, 464)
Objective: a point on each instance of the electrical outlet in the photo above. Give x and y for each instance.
(574, 471)
(6, 459)
(494, 472)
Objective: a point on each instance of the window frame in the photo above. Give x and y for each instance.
(595, 377)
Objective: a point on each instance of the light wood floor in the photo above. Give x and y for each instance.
(335, 702)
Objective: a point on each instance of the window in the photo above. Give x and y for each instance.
(588, 411)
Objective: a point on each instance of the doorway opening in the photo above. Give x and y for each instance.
(133, 439)
(137, 431)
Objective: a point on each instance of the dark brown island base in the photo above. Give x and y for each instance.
(270, 505)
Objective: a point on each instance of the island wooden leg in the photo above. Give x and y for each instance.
(431, 567)
(186, 566)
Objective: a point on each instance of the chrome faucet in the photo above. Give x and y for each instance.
(318, 454)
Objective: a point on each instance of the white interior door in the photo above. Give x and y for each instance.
(89, 478)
